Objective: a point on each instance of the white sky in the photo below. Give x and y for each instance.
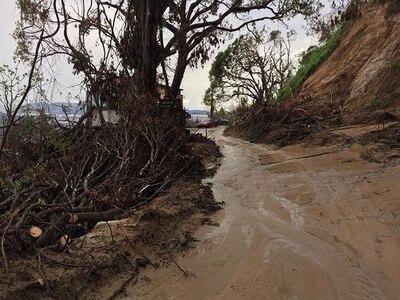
(194, 84)
(7, 16)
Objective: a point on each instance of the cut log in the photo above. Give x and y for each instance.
(64, 240)
(52, 232)
(41, 281)
(73, 219)
(55, 230)
(35, 231)
(108, 215)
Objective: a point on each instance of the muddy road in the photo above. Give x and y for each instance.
(298, 223)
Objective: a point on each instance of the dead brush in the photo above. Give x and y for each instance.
(90, 174)
(276, 124)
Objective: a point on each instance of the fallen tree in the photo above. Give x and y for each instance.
(274, 124)
(61, 182)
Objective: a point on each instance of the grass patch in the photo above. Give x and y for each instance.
(310, 63)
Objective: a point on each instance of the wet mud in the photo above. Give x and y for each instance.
(298, 223)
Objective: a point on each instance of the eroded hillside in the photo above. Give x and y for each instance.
(358, 83)
(363, 71)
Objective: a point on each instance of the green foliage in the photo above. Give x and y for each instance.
(58, 140)
(5, 190)
(217, 70)
(32, 13)
(221, 112)
(41, 201)
(253, 67)
(33, 10)
(63, 197)
(310, 61)
(208, 98)
(22, 183)
(216, 74)
(22, 51)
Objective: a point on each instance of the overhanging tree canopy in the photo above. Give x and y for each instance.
(109, 40)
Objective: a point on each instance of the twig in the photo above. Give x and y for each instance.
(3, 251)
(123, 286)
(111, 232)
(307, 156)
(141, 253)
(176, 264)
(26, 93)
(4, 281)
(126, 258)
(42, 275)
(83, 240)
(99, 266)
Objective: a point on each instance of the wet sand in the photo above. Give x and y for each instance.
(298, 223)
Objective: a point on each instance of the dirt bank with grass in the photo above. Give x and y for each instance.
(362, 74)
(358, 83)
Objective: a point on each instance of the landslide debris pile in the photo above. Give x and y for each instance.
(382, 146)
(281, 125)
(357, 83)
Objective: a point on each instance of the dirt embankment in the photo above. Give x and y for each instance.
(101, 264)
(362, 74)
(282, 126)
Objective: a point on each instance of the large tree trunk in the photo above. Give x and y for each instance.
(179, 73)
(148, 13)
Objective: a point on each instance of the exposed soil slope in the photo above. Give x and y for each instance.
(363, 72)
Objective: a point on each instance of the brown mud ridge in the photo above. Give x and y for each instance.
(102, 263)
(315, 222)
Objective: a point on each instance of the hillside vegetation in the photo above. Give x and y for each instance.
(313, 57)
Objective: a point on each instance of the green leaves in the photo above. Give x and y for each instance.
(253, 67)
(310, 61)
(34, 10)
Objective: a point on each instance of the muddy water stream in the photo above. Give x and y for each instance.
(290, 229)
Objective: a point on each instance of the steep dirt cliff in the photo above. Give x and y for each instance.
(363, 73)
(359, 83)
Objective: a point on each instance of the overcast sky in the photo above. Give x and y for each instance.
(7, 16)
(194, 84)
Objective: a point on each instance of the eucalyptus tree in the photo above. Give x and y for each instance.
(113, 43)
(252, 67)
